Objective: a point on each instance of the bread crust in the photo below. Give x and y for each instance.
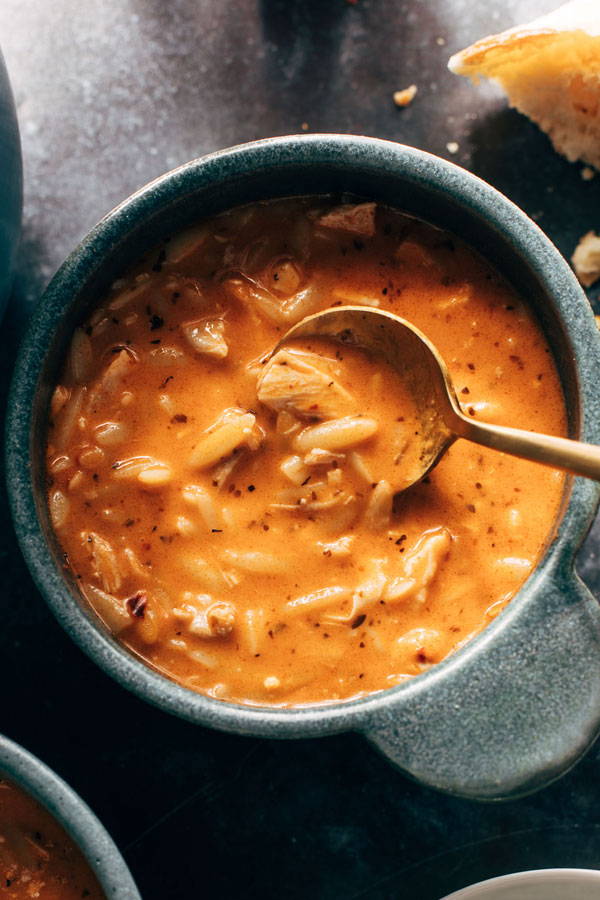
(550, 70)
(484, 55)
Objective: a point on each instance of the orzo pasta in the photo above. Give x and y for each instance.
(236, 522)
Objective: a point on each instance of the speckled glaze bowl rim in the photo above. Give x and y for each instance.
(542, 877)
(39, 781)
(308, 150)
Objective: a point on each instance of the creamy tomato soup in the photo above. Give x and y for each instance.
(37, 858)
(237, 522)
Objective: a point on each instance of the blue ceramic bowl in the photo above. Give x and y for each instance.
(96, 845)
(11, 185)
(517, 706)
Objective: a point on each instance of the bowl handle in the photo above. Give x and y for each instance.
(514, 710)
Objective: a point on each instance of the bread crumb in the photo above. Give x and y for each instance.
(452, 147)
(272, 682)
(304, 126)
(405, 97)
(440, 41)
(597, 318)
(586, 259)
(587, 173)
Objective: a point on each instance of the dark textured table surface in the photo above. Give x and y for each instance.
(111, 93)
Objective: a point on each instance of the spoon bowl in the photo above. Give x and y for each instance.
(426, 375)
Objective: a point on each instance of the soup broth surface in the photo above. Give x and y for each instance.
(236, 521)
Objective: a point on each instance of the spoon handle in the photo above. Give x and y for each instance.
(560, 453)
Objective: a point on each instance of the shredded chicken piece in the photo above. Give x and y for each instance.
(319, 457)
(207, 336)
(311, 498)
(106, 567)
(206, 617)
(379, 507)
(112, 377)
(303, 383)
(353, 218)
(279, 310)
(586, 259)
(59, 398)
(423, 561)
(368, 592)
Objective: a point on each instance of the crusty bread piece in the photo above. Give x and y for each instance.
(550, 70)
(586, 259)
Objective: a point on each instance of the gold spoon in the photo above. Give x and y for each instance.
(424, 372)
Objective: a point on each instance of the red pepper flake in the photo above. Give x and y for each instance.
(517, 360)
(179, 417)
(166, 381)
(136, 604)
(471, 366)
(465, 390)
(358, 621)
